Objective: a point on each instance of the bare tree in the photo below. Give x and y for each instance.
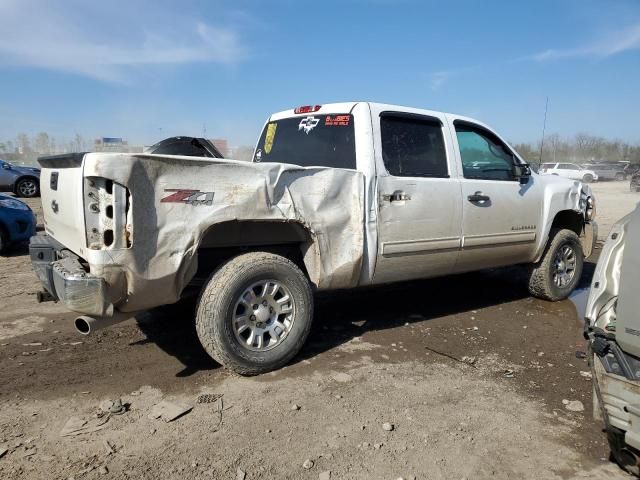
(42, 143)
(24, 144)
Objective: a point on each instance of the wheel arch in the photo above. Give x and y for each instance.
(570, 220)
(292, 240)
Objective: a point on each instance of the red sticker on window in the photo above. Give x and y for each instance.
(339, 120)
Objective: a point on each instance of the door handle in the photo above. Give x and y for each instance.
(397, 196)
(478, 197)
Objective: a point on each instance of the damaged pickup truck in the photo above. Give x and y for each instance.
(338, 196)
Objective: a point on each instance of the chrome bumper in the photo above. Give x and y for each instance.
(64, 277)
(621, 402)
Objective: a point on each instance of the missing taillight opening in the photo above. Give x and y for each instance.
(108, 237)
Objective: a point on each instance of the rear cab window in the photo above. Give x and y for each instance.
(413, 146)
(309, 141)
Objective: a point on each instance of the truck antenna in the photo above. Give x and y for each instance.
(544, 126)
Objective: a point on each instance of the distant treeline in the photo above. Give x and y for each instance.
(581, 148)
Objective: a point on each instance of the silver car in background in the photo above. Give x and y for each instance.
(608, 171)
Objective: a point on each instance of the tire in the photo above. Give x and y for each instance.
(620, 177)
(621, 453)
(28, 187)
(4, 240)
(543, 282)
(634, 187)
(227, 327)
(587, 178)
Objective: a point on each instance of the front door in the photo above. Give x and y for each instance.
(419, 219)
(500, 215)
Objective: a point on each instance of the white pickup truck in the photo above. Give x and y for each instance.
(338, 196)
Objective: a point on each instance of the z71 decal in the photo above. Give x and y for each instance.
(190, 197)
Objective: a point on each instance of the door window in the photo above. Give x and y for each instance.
(413, 146)
(567, 166)
(484, 156)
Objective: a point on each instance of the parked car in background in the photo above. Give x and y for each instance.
(189, 146)
(569, 170)
(17, 222)
(23, 181)
(631, 168)
(609, 171)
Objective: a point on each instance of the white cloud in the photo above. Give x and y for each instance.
(438, 79)
(614, 43)
(108, 40)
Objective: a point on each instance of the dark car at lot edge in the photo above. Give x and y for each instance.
(22, 181)
(17, 222)
(634, 184)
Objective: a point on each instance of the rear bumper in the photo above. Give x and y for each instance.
(63, 276)
(621, 402)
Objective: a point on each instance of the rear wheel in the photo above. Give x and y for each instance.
(558, 272)
(28, 188)
(587, 178)
(620, 177)
(255, 313)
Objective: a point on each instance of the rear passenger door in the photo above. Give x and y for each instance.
(419, 206)
(500, 215)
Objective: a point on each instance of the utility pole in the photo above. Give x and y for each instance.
(544, 126)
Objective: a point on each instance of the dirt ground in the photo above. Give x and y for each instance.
(392, 354)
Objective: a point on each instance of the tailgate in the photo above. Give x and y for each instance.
(61, 184)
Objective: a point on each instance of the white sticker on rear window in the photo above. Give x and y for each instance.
(308, 124)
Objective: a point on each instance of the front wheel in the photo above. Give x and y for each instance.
(28, 188)
(587, 178)
(255, 313)
(558, 272)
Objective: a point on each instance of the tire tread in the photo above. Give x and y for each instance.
(210, 302)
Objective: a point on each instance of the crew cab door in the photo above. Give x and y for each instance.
(499, 214)
(418, 195)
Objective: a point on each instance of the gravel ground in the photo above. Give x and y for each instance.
(469, 371)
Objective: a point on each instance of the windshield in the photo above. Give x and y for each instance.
(309, 141)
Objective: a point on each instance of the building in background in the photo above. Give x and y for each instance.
(115, 144)
(222, 145)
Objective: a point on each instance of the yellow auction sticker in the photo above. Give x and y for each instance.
(271, 133)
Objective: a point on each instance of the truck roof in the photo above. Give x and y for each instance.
(346, 107)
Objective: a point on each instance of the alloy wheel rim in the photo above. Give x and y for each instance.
(263, 315)
(564, 266)
(27, 188)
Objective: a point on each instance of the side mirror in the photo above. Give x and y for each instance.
(522, 172)
(6, 166)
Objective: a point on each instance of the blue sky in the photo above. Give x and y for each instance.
(148, 69)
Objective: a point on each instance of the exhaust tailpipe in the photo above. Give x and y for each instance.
(86, 325)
